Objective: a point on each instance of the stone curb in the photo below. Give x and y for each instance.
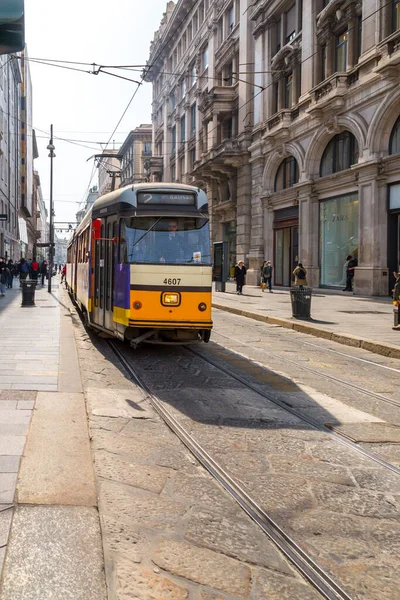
(346, 339)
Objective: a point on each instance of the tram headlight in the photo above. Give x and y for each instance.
(202, 306)
(170, 299)
(137, 305)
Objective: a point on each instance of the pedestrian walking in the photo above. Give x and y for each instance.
(63, 273)
(352, 263)
(267, 275)
(396, 293)
(43, 271)
(240, 277)
(23, 269)
(10, 275)
(3, 276)
(300, 275)
(34, 272)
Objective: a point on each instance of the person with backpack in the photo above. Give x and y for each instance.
(23, 270)
(34, 269)
(300, 276)
(267, 275)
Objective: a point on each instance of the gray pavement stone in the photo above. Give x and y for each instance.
(8, 404)
(15, 416)
(25, 405)
(5, 523)
(137, 583)
(116, 468)
(54, 552)
(377, 479)
(202, 490)
(9, 464)
(371, 432)
(124, 539)
(235, 535)
(12, 445)
(366, 580)
(311, 469)
(7, 487)
(14, 428)
(204, 566)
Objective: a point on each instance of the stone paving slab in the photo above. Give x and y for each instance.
(68, 567)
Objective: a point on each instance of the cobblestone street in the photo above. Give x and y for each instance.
(170, 531)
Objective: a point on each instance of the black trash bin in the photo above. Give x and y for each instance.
(301, 302)
(396, 315)
(28, 287)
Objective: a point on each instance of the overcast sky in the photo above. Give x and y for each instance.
(83, 106)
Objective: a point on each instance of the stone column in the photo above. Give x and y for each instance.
(243, 212)
(309, 44)
(166, 142)
(256, 252)
(309, 233)
(352, 41)
(371, 277)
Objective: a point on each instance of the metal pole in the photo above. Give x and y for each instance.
(51, 211)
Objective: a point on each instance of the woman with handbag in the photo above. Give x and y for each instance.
(267, 276)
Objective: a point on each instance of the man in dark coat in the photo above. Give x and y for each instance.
(352, 263)
(240, 277)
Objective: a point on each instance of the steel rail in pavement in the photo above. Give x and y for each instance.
(337, 436)
(314, 574)
(319, 373)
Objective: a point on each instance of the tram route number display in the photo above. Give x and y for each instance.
(172, 281)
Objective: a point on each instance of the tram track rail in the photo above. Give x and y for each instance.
(304, 367)
(328, 588)
(297, 413)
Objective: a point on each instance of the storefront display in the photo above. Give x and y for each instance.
(338, 237)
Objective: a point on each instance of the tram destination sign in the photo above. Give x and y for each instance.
(166, 198)
(3, 217)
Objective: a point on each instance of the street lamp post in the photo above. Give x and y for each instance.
(51, 149)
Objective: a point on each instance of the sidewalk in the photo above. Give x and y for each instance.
(47, 490)
(359, 321)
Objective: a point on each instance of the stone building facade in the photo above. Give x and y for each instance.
(10, 155)
(202, 113)
(288, 113)
(135, 153)
(325, 142)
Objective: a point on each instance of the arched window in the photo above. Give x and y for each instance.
(394, 142)
(287, 174)
(340, 154)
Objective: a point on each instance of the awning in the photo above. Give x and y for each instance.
(23, 233)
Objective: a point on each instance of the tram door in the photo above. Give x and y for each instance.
(103, 304)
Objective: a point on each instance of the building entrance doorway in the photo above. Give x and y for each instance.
(286, 245)
(394, 233)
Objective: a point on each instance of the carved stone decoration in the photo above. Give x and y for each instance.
(332, 126)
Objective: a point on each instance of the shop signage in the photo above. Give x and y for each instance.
(336, 218)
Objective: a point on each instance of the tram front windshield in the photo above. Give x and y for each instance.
(175, 240)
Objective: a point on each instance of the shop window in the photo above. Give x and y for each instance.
(227, 129)
(338, 237)
(341, 52)
(396, 15)
(340, 154)
(287, 175)
(394, 143)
